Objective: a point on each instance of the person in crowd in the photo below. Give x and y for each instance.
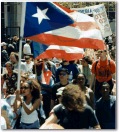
(52, 67)
(28, 65)
(105, 108)
(89, 94)
(4, 54)
(102, 70)
(29, 104)
(14, 58)
(27, 48)
(85, 67)
(72, 68)
(7, 115)
(10, 79)
(45, 79)
(73, 113)
(15, 41)
(63, 76)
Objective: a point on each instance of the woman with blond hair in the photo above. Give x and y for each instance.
(72, 113)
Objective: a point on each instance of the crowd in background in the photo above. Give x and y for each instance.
(79, 94)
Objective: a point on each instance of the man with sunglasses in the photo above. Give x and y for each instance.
(103, 70)
(63, 77)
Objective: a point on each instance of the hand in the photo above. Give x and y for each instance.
(18, 97)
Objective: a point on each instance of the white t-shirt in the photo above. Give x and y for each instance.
(29, 67)
(27, 49)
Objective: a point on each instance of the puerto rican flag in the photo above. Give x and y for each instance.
(63, 52)
(45, 75)
(49, 24)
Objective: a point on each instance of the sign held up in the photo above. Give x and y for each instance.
(100, 16)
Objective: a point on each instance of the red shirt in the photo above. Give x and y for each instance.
(104, 70)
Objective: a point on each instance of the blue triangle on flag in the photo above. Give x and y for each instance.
(41, 17)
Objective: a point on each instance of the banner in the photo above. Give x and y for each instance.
(85, 10)
(100, 17)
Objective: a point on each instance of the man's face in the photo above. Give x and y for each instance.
(63, 75)
(105, 90)
(13, 59)
(102, 53)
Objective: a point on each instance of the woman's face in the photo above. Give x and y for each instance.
(81, 80)
(25, 89)
(9, 67)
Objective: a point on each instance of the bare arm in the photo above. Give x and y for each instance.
(92, 99)
(52, 104)
(35, 105)
(92, 80)
(51, 119)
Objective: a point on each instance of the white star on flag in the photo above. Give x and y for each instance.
(41, 14)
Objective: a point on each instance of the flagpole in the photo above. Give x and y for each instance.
(20, 45)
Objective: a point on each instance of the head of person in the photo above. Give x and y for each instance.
(73, 98)
(105, 89)
(81, 79)
(102, 53)
(63, 74)
(28, 41)
(31, 87)
(27, 59)
(65, 62)
(9, 66)
(86, 60)
(4, 45)
(15, 38)
(24, 77)
(14, 57)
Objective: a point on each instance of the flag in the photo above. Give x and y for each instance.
(49, 24)
(63, 52)
(38, 48)
(45, 75)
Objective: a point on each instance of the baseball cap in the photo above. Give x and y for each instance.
(63, 70)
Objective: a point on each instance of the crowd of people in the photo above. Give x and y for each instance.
(55, 93)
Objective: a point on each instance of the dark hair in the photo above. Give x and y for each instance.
(35, 87)
(87, 59)
(27, 57)
(28, 41)
(105, 83)
(86, 80)
(64, 70)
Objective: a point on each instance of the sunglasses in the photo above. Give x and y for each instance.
(101, 51)
(62, 74)
(25, 87)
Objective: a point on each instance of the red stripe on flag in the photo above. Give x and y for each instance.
(49, 39)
